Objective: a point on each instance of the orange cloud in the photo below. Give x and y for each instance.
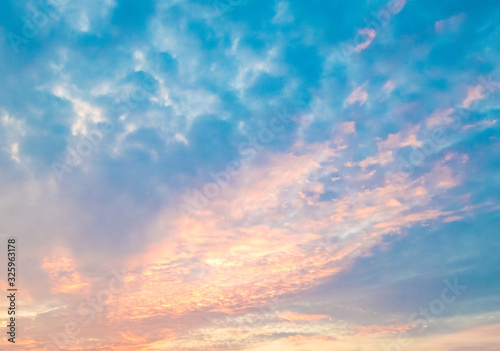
(61, 269)
(302, 317)
(266, 236)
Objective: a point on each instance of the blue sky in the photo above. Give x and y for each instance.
(269, 174)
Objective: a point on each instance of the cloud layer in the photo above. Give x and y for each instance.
(252, 175)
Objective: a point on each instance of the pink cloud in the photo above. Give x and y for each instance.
(358, 95)
(389, 86)
(381, 329)
(396, 6)
(450, 24)
(467, 339)
(452, 219)
(379, 159)
(439, 118)
(443, 177)
(261, 239)
(370, 34)
(302, 317)
(483, 124)
(403, 138)
(348, 127)
(473, 94)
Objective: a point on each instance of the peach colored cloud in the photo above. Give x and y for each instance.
(302, 317)
(484, 338)
(307, 340)
(381, 329)
(268, 235)
(210, 262)
(61, 269)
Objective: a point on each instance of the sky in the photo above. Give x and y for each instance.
(251, 175)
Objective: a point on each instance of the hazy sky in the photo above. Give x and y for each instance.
(251, 175)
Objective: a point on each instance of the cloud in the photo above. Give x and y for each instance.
(449, 24)
(440, 118)
(64, 277)
(348, 127)
(302, 317)
(473, 94)
(312, 244)
(358, 95)
(370, 34)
